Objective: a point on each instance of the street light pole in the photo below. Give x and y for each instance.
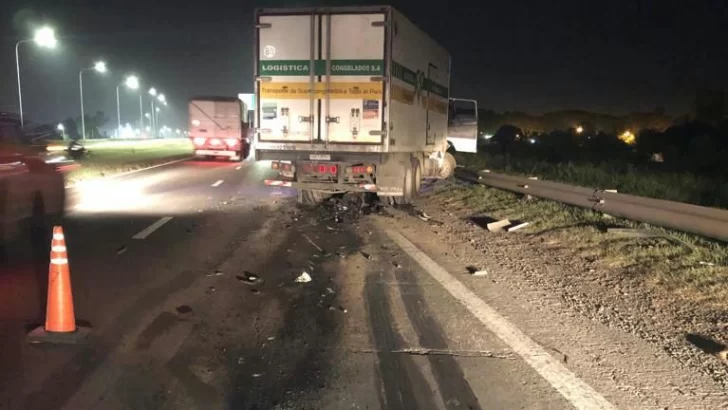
(43, 37)
(83, 115)
(141, 114)
(17, 69)
(118, 113)
(99, 67)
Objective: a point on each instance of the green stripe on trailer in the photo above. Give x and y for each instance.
(338, 67)
(418, 80)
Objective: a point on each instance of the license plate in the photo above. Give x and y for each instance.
(320, 157)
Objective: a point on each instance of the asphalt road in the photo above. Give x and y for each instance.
(186, 275)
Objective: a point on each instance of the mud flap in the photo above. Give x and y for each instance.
(390, 176)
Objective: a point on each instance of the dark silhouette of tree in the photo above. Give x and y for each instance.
(507, 136)
(709, 106)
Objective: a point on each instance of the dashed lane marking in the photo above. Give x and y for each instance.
(151, 228)
(572, 388)
(216, 184)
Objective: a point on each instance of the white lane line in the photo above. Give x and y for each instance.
(219, 181)
(576, 391)
(151, 228)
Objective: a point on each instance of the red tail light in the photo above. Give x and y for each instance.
(333, 169)
(322, 169)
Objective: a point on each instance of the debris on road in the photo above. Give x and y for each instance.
(366, 255)
(255, 291)
(517, 227)
(184, 310)
(312, 243)
(216, 273)
(636, 233)
(247, 278)
(475, 271)
(303, 278)
(706, 263)
(341, 308)
(498, 226)
(424, 216)
(121, 250)
(396, 265)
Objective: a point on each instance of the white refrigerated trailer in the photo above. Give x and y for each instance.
(353, 99)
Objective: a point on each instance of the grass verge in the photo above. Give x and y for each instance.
(111, 159)
(626, 178)
(684, 268)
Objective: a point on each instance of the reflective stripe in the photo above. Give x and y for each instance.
(58, 248)
(59, 261)
(58, 236)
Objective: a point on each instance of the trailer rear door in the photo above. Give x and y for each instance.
(338, 56)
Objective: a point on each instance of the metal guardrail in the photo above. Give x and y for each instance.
(708, 222)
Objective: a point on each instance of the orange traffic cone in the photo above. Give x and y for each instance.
(60, 324)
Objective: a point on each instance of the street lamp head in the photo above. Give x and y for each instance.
(100, 67)
(162, 98)
(60, 127)
(156, 109)
(45, 37)
(153, 92)
(132, 82)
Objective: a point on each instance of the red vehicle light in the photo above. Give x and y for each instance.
(322, 169)
(333, 169)
(199, 140)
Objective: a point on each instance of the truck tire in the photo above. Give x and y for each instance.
(310, 197)
(407, 189)
(447, 169)
(417, 178)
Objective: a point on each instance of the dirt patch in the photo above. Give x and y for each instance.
(659, 288)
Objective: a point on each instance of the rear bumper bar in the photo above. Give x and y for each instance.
(323, 186)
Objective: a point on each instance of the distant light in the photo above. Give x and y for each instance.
(132, 82)
(100, 67)
(147, 128)
(196, 123)
(153, 92)
(579, 129)
(162, 98)
(628, 137)
(146, 114)
(45, 37)
(532, 140)
(60, 127)
(488, 136)
(178, 131)
(156, 109)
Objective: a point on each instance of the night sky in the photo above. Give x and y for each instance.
(610, 56)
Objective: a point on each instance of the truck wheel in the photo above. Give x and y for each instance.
(417, 179)
(447, 169)
(407, 189)
(310, 197)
